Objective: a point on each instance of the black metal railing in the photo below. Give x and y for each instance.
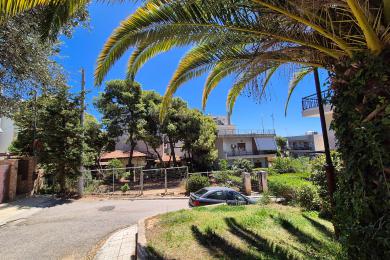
(312, 100)
(241, 153)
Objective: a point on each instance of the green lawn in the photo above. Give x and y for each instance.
(286, 184)
(242, 232)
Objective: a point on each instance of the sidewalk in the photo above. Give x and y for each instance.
(120, 246)
(23, 208)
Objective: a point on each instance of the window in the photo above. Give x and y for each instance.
(241, 147)
(218, 195)
(232, 195)
(200, 192)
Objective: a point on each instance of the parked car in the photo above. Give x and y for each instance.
(216, 195)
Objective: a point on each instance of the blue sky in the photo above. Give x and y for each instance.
(83, 48)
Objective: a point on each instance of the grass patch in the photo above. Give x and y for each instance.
(244, 232)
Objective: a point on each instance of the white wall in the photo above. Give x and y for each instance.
(7, 135)
(228, 141)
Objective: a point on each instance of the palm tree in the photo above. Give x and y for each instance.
(251, 39)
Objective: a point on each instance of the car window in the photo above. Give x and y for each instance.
(201, 192)
(232, 195)
(218, 195)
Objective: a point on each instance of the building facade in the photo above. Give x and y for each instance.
(308, 144)
(7, 134)
(258, 146)
(310, 109)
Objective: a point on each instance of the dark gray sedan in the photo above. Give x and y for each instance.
(216, 195)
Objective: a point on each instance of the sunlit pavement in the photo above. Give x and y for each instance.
(72, 229)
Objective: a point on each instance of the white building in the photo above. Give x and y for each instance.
(310, 109)
(305, 145)
(7, 133)
(258, 146)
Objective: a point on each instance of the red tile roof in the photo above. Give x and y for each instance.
(167, 158)
(117, 154)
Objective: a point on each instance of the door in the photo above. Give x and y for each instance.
(235, 198)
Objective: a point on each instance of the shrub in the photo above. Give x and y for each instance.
(223, 165)
(307, 197)
(117, 166)
(125, 188)
(228, 178)
(197, 182)
(243, 164)
(318, 177)
(265, 199)
(287, 164)
(92, 186)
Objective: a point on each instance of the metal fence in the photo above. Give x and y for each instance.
(117, 180)
(135, 181)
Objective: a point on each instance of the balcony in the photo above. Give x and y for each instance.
(233, 132)
(241, 153)
(312, 100)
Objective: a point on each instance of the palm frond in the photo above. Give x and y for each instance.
(298, 76)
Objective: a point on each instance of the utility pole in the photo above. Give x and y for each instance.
(82, 118)
(329, 168)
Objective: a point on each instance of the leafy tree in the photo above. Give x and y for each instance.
(199, 136)
(95, 141)
(26, 60)
(123, 112)
(253, 38)
(281, 142)
(173, 125)
(152, 134)
(49, 127)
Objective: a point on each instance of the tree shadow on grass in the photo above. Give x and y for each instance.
(320, 227)
(218, 246)
(263, 245)
(296, 232)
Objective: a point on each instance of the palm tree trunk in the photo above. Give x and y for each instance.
(361, 122)
(173, 155)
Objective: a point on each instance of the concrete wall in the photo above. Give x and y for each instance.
(7, 133)
(229, 141)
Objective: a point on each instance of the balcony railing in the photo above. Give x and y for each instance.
(245, 132)
(240, 153)
(312, 100)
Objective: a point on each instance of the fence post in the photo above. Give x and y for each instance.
(166, 181)
(113, 180)
(141, 181)
(263, 181)
(246, 178)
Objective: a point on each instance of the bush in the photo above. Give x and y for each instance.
(265, 199)
(228, 178)
(242, 164)
(114, 165)
(307, 197)
(287, 164)
(125, 188)
(223, 165)
(318, 177)
(197, 182)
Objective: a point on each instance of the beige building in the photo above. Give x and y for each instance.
(310, 109)
(305, 145)
(7, 133)
(258, 146)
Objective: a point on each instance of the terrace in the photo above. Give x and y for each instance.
(311, 101)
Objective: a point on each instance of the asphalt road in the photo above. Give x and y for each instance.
(72, 230)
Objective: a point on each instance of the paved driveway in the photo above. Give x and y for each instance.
(71, 230)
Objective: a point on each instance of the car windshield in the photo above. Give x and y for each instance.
(200, 192)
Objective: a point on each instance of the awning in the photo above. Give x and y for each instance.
(266, 144)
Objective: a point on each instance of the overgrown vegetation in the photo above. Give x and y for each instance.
(242, 164)
(196, 182)
(288, 164)
(242, 232)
